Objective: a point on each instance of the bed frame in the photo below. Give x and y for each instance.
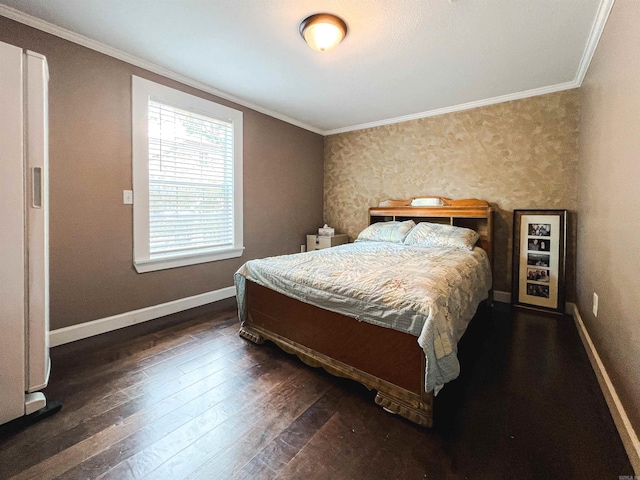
(382, 359)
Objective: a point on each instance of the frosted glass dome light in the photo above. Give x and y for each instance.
(323, 31)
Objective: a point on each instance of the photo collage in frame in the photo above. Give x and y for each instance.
(538, 262)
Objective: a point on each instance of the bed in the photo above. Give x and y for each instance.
(332, 311)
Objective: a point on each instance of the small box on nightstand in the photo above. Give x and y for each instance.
(318, 242)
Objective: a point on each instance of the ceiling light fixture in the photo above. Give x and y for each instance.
(323, 31)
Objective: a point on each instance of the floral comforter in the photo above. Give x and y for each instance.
(429, 292)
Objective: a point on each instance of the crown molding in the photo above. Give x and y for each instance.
(594, 38)
(458, 108)
(597, 28)
(26, 19)
(604, 9)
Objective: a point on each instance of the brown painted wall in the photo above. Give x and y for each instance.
(520, 154)
(90, 164)
(609, 203)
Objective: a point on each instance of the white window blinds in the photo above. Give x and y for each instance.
(187, 178)
(191, 167)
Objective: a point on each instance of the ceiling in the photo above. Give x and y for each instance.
(401, 59)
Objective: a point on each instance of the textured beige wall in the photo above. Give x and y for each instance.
(90, 164)
(609, 203)
(519, 154)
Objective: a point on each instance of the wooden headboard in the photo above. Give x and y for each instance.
(469, 213)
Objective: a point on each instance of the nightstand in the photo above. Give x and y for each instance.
(317, 242)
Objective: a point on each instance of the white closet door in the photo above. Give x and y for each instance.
(37, 203)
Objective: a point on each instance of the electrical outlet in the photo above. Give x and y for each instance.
(127, 197)
(595, 304)
(303, 248)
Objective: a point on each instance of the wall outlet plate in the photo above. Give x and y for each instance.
(595, 304)
(127, 197)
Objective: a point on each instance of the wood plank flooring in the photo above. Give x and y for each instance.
(193, 400)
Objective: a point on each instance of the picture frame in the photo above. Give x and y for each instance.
(539, 259)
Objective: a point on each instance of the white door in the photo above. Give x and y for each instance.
(37, 212)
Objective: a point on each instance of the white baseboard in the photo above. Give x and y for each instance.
(620, 418)
(108, 324)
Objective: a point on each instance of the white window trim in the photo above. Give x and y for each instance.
(141, 91)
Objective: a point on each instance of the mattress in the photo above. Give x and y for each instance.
(429, 292)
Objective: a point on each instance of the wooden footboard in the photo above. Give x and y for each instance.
(385, 360)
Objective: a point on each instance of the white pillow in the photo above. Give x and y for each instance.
(439, 235)
(386, 232)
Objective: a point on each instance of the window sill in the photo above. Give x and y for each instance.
(143, 266)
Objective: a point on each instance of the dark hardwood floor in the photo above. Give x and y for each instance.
(193, 400)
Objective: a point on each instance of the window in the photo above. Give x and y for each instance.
(187, 178)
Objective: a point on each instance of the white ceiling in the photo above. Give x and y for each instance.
(401, 59)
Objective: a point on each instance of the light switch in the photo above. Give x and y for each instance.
(127, 197)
